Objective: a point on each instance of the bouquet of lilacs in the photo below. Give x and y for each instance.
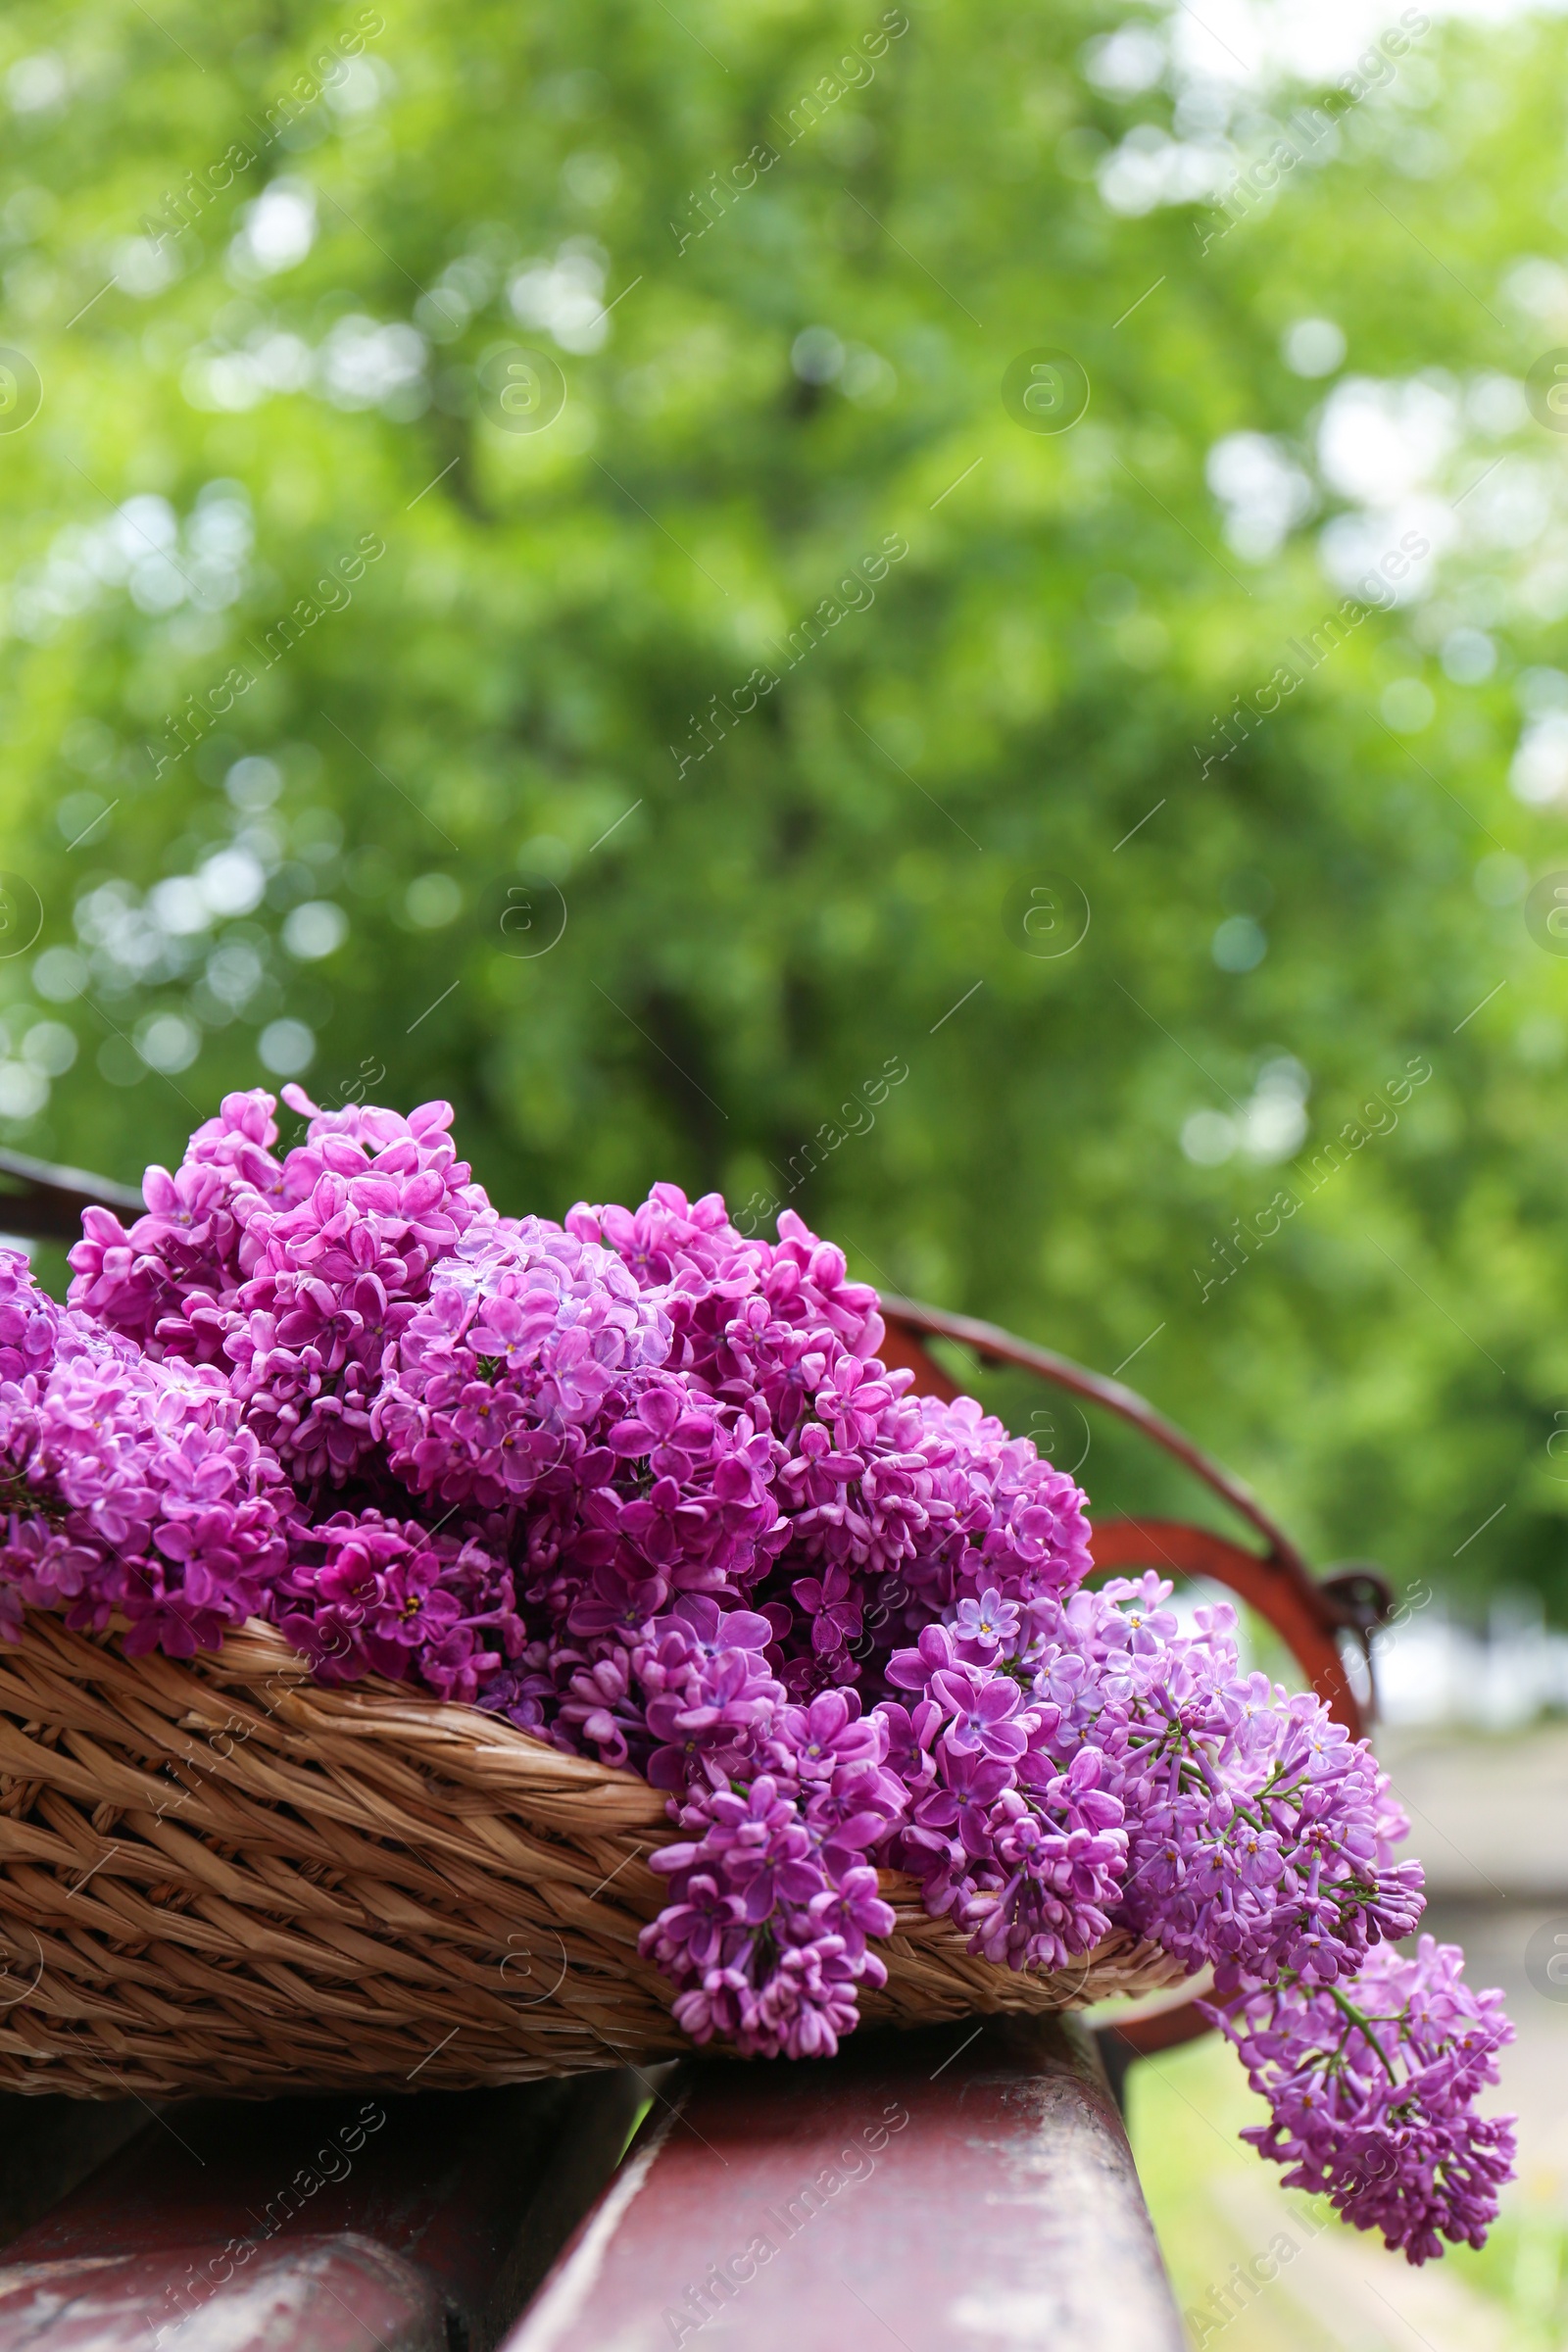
(642, 1485)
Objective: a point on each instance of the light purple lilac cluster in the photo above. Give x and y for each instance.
(645, 1486)
(1373, 2093)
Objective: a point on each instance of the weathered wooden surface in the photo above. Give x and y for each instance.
(332, 2294)
(967, 2187)
(230, 2223)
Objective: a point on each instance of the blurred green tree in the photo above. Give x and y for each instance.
(561, 562)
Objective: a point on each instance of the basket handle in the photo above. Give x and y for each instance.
(1309, 1613)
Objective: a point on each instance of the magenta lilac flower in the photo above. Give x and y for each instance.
(645, 1486)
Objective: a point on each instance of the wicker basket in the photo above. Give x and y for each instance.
(219, 1876)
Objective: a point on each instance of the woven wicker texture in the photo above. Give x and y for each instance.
(219, 1876)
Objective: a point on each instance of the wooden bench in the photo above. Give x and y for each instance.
(966, 2184)
(970, 2185)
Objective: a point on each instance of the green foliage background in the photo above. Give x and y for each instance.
(751, 937)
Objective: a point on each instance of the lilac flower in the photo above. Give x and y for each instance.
(643, 1486)
(825, 1736)
(982, 1628)
(982, 1713)
(29, 1323)
(130, 1487)
(1372, 2087)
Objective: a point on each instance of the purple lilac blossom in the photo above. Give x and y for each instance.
(127, 1486)
(644, 1486)
(1372, 2085)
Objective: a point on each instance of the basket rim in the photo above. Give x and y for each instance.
(441, 1828)
(499, 1755)
(375, 1706)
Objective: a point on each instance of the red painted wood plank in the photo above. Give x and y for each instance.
(473, 2193)
(968, 2187)
(334, 2294)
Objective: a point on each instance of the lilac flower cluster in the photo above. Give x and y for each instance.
(1082, 1764)
(774, 1899)
(1373, 2095)
(1258, 1836)
(645, 1486)
(125, 1486)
